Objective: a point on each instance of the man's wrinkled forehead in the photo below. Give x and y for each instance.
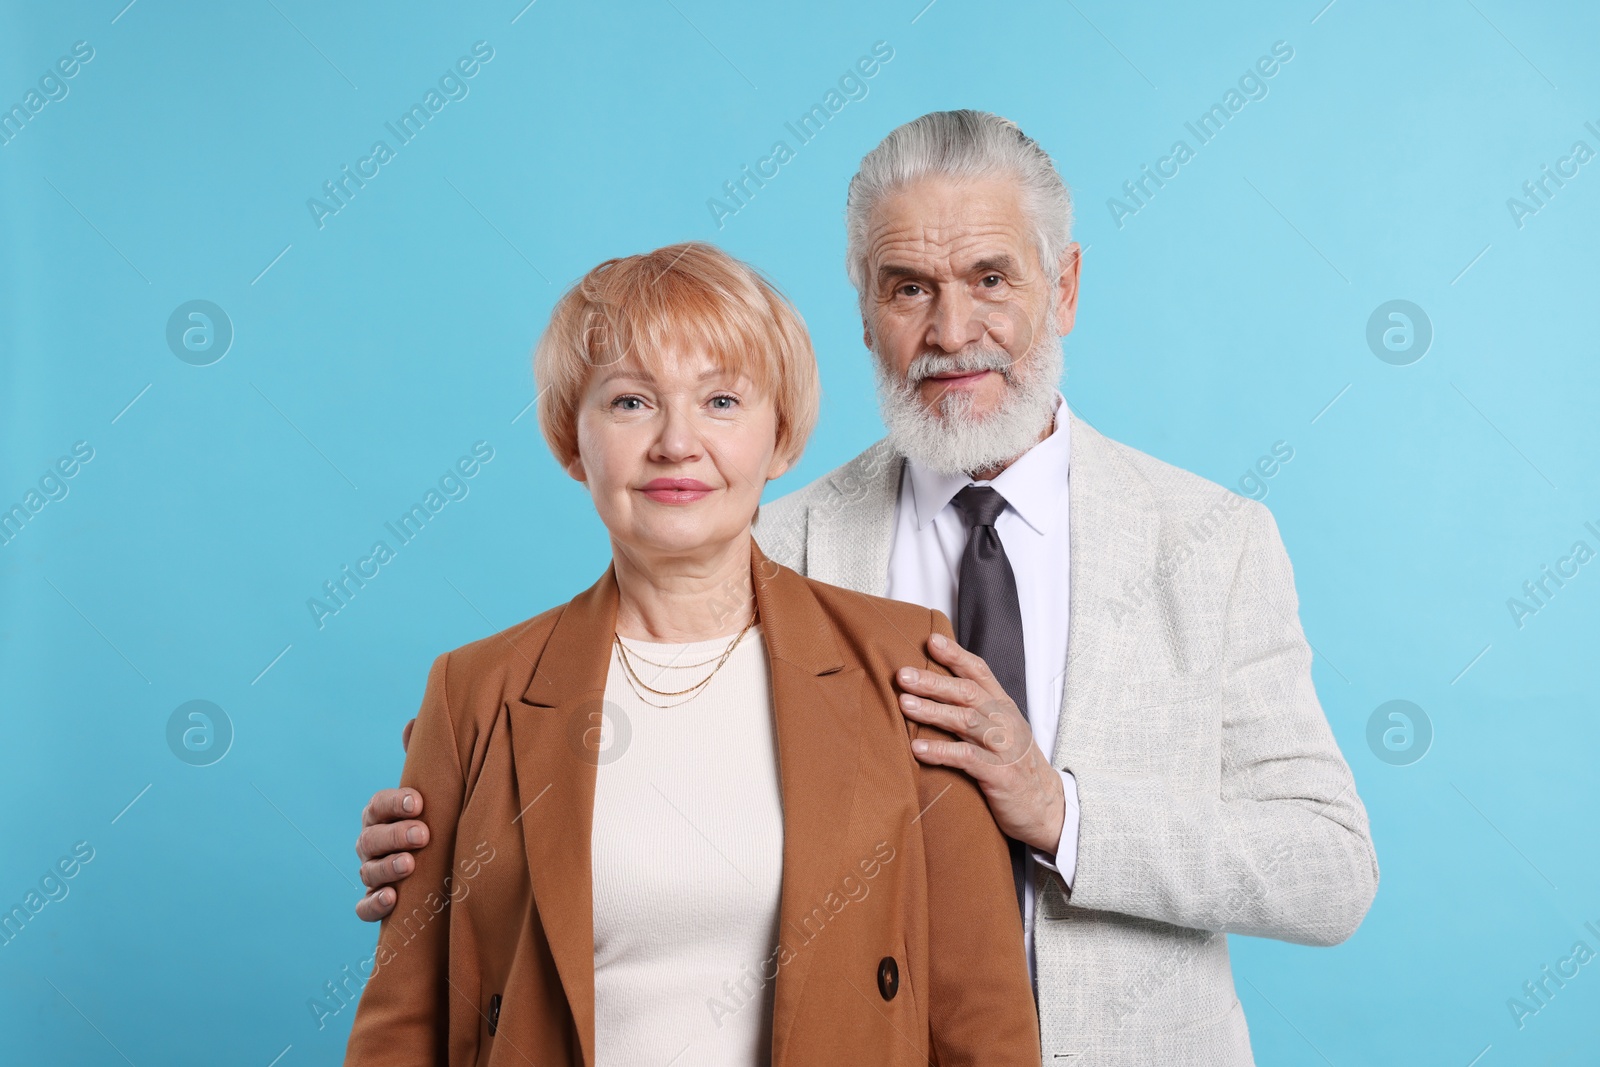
(949, 228)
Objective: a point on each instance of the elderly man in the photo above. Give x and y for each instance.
(1132, 690)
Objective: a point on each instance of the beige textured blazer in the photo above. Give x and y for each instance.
(488, 957)
(1214, 796)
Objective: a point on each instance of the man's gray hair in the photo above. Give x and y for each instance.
(960, 144)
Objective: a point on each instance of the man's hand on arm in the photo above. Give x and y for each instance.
(993, 743)
(390, 831)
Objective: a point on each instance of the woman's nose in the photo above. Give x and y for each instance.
(679, 438)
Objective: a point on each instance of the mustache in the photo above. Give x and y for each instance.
(929, 364)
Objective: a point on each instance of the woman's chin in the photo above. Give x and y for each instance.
(679, 539)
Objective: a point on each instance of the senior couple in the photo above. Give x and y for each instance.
(968, 752)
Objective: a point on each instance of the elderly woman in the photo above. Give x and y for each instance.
(676, 820)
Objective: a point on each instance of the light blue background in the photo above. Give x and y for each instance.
(1222, 318)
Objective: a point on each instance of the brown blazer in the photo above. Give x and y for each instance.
(488, 957)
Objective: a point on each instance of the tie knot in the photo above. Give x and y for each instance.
(980, 504)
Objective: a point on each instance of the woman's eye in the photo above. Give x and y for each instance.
(724, 403)
(628, 403)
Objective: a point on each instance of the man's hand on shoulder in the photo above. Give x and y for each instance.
(993, 743)
(390, 832)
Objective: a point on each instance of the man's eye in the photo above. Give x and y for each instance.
(909, 289)
(990, 281)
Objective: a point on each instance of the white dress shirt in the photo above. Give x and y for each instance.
(930, 536)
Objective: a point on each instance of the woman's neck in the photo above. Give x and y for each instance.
(676, 600)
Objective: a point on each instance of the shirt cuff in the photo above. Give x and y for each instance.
(1065, 861)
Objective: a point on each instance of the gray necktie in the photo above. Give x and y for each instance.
(988, 614)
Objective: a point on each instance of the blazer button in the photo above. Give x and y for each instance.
(888, 977)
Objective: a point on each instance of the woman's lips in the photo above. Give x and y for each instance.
(676, 490)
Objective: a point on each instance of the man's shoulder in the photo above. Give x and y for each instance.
(1182, 496)
(780, 526)
(869, 468)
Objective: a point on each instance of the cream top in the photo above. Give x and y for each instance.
(687, 850)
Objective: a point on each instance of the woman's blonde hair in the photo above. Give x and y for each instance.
(684, 298)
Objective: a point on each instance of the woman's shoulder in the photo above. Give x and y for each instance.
(485, 672)
(850, 604)
(878, 626)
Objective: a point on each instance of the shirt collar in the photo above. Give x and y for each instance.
(1031, 485)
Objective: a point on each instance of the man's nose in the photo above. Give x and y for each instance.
(955, 323)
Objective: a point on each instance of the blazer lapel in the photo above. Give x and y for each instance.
(1113, 529)
(817, 707)
(848, 534)
(554, 741)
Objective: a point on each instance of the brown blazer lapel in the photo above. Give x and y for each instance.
(555, 749)
(817, 706)
(554, 735)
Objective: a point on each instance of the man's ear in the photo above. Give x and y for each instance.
(1066, 294)
(866, 329)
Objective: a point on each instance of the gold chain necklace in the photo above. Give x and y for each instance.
(637, 683)
(673, 666)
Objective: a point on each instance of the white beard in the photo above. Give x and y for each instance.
(952, 440)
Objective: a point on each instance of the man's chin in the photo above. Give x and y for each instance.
(970, 406)
(949, 420)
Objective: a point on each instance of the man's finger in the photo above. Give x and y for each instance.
(940, 688)
(965, 664)
(995, 728)
(382, 839)
(375, 906)
(389, 805)
(993, 722)
(387, 870)
(958, 754)
(969, 724)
